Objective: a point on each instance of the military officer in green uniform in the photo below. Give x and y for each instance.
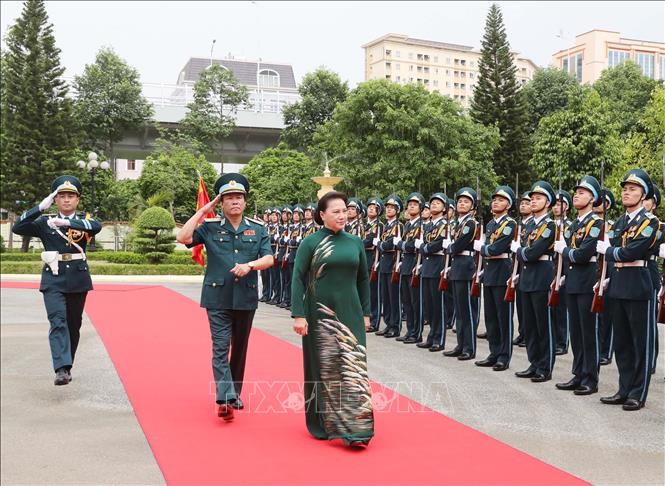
(237, 248)
(65, 277)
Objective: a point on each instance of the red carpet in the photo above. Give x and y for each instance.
(160, 344)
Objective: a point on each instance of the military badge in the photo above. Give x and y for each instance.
(594, 232)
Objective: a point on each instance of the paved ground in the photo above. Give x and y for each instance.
(599, 443)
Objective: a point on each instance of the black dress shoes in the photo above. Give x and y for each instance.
(539, 378)
(522, 344)
(372, 329)
(382, 332)
(435, 349)
(465, 357)
(605, 361)
(453, 353)
(424, 345)
(615, 399)
(482, 335)
(573, 384)
(392, 334)
(403, 338)
(62, 377)
(586, 390)
(225, 412)
(499, 366)
(238, 405)
(412, 340)
(518, 340)
(528, 373)
(632, 404)
(486, 363)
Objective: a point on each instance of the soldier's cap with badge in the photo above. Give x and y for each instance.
(526, 196)
(608, 196)
(394, 200)
(298, 209)
(505, 192)
(545, 188)
(355, 202)
(591, 184)
(566, 197)
(426, 205)
(267, 211)
(640, 178)
(287, 209)
(378, 203)
(441, 197)
(310, 206)
(275, 210)
(468, 193)
(363, 209)
(417, 197)
(232, 183)
(67, 183)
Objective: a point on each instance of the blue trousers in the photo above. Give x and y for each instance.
(65, 314)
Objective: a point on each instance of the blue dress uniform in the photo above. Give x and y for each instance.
(283, 258)
(631, 289)
(230, 301)
(560, 312)
(461, 273)
(654, 271)
(275, 283)
(266, 283)
(448, 301)
(374, 229)
(432, 266)
(390, 291)
(64, 293)
(409, 296)
(294, 237)
(497, 270)
(524, 231)
(606, 333)
(536, 276)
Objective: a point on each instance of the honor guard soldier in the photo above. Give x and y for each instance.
(462, 270)
(292, 244)
(431, 248)
(651, 204)
(409, 295)
(630, 289)
(236, 246)
(354, 225)
(373, 230)
(275, 275)
(578, 251)
(526, 218)
(495, 250)
(65, 281)
(536, 276)
(426, 214)
(389, 276)
(282, 264)
(448, 301)
(606, 333)
(266, 284)
(309, 224)
(560, 312)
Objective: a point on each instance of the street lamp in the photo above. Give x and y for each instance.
(92, 166)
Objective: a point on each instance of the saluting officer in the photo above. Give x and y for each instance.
(236, 246)
(560, 312)
(606, 333)
(579, 257)
(461, 273)
(388, 248)
(651, 204)
(432, 266)
(409, 295)
(65, 278)
(275, 274)
(535, 278)
(373, 230)
(526, 218)
(499, 233)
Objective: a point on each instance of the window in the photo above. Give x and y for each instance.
(268, 78)
(436, 82)
(131, 164)
(426, 57)
(387, 76)
(410, 80)
(578, 67)
(646, 62)
(420, 69)
(456, 97)
(456, 61)
(398, 79)
(614, 58)
(426, 81)
(388, 52)
(420, 57)
(471, 75)
(447, 84)
(463, 62)
(662, 67)
(457, 74)
(456, 85)
(397, 54)
(411, 67)
(426, 70)
(388, 65)
(462, 97)
(463, 86)
(436, 70)
(447, 72)
(419, 80)
(463, 74)
(397, 66)
(564, 64)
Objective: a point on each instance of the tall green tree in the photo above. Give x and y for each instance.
(211, 116)
(498, 101)
(38, 135)
(320, 93)
(109, 101)
(627, 92)
(389, 138)
(279, 175)
(548, 92)
(575, 141)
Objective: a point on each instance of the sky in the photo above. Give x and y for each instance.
(158, 38)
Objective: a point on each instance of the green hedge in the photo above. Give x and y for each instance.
(126, 257)
(100, 268)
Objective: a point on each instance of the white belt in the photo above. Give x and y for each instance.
(545, 258)
(464, 253)
(636, 263)
(66, 257)
(498, 257)
(442, 253)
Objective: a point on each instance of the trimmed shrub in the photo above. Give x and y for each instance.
(154, 231)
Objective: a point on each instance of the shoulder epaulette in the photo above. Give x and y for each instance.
(255, 221)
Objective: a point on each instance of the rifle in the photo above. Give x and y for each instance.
(475, 285)
(284, 263)
(554, 287)
(509, 296)
(597, 303)
(271, 232)
(394, 277)
(443, 281)
(415, 277)
(374, 276)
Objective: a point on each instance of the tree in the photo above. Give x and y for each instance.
(400, 138)
(280, 175)
(627, 93)
(211, 116)
(109, 101)
(155, 238)
(498, 101)
(37, 135)
(320, 93)
(576, 140)
(548, 91)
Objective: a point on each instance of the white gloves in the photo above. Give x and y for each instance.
(514, 246)
(606, 282)
(397, 267)
(375, 242)
(515, 279)
(54, 223)
(285, 240)
(562, 281)
(48, 201)
(559, 246)
(446, 243)
(298, 239)
(661, 251)
(396, 240)
(418, 243)
(477, 245)
(602, 246)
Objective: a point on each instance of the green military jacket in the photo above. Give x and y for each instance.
(226, 246)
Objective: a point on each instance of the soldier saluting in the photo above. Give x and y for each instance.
(65, 277)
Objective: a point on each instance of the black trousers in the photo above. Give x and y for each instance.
(410, 299)
(276, 275)
(375, 301)
(499, 324)
(287, 274)
(448, 307)
(266, 284)
(434, 309)
(584, 328)
(654, 334)
(538, 332)
(65, 314)
(606, 333)
(562, 321)
(519, 305)
(390, 301)
(465, 318)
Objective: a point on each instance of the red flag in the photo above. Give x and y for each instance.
(201, 200)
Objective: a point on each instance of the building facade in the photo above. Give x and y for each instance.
(597, 50)
(449, 69)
